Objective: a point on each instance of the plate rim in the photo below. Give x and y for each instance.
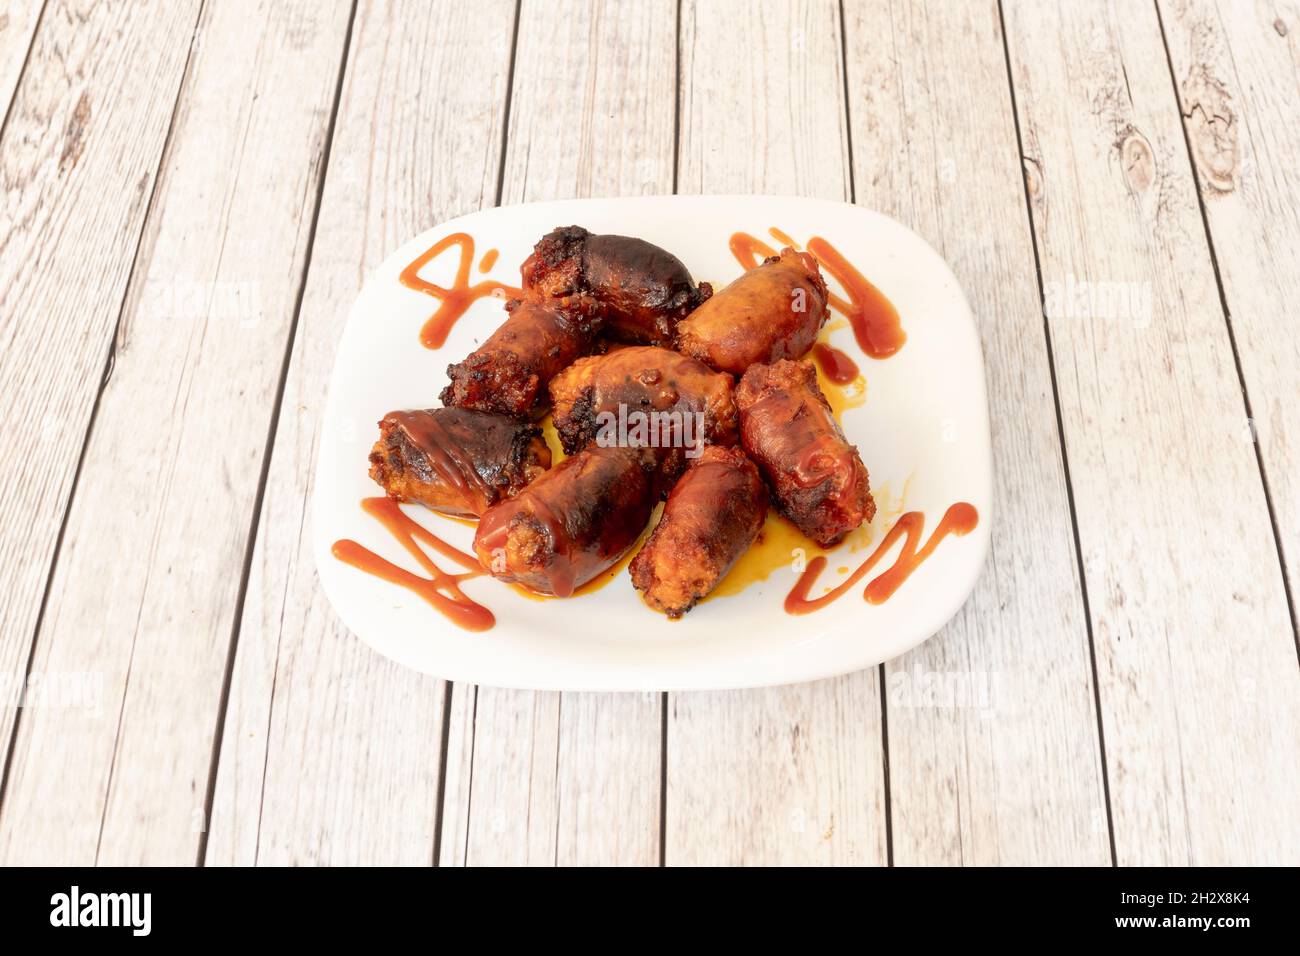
(793, 674)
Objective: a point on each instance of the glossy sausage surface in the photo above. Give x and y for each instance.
(710, 519)
(635, 383)
(573, 522)
(770, 313)
(456, 460)
(509, 372)
(644, 290)
(817, 478)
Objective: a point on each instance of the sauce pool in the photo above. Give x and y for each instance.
(834, 364)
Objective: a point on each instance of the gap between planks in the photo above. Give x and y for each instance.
(255, 520)
(1060, 431)
(105, 375)
(1183, 115)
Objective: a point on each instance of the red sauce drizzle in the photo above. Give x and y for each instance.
(440, 589)
(873, 317)
(456, 300)
(488, 261)
(959, 519)
(782, 238)
(445, 456)
(835, 365)
(494, 531)
(749, 251)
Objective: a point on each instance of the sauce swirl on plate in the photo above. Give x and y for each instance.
(457, 299)
(440, 589)
(875, 321)
(959, 519)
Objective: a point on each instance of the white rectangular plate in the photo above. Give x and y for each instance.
(923, 433)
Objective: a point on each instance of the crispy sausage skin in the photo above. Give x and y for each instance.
(817, 478)
(770, 313)
(508, 373)
(643, 290)
(573, 522)
(711, 518)
(645, 380)
(459, 461)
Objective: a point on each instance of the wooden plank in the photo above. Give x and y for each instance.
(85, 132)
(1195, 655)
(571, 778)
(762, 100)
(994, 755)
(542, 779)
(1235, 66)
(18, 19)
(171, 471)
(331, 754)
(783, 776)
(792, 774)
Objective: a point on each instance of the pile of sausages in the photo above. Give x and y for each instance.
(610, 327)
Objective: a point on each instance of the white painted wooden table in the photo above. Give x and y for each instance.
(193, 192)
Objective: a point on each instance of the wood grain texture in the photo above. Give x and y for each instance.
(543, 779)
(1195, 655)
(171, 471)
(187, 291)
(571, 778)
(762, 100)
(18, 19)
(331, 754)
(1236, 65)
(78, 159)
(792, 774)
(993, 747)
